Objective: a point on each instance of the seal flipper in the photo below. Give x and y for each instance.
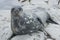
(13, 35)
(41, 24)
(51, 21)
(40, 21)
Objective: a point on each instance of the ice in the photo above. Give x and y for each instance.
(51, 7)
(53, 30)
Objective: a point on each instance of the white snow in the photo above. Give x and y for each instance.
(35, 36)
(51, 8)
(53, 30)
(5, 30)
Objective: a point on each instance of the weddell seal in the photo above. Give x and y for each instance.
(22, 24)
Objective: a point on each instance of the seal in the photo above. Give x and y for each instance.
(22, 23)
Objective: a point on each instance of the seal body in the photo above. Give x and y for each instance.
(25, 24)
(22, 23)
(44, 16)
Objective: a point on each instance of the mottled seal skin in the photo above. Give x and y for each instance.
(22, 24)
(14, 20)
